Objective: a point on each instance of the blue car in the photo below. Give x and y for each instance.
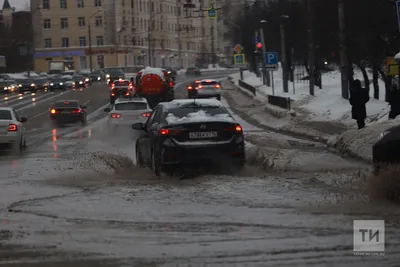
(57, 83)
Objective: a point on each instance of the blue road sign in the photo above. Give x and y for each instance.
(238, 59)
(398, 13)
(256, 39)
(212, 13)
(271, 58)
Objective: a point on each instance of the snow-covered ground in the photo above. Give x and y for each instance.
(327, 107)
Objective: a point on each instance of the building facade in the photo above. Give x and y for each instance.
(122, 33)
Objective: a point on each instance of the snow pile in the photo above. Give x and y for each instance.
(150, 70)
(199, 116)
(359, 143)
(216, 68)
(326, 105)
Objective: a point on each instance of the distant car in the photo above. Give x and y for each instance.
(193, 71)
(26, 85)
(78, 81)
(7, 86)
(67, 80)
(191, 88)
(97, 76)
(184, 133)
(125, 111)
(114, 74)
(171, 72)
(121, 88)
(57, 83)
(207, 89)
(41, 83)
(68, 111)
(12, 130)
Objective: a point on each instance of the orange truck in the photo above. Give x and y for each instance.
(155, 85)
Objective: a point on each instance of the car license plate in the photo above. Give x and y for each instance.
(65, 112)
(200, 135)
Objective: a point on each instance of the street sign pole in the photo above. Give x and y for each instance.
(266, 77)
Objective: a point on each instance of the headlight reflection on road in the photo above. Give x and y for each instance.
(33, 99)
(90, 132)
(6, 98)
(54, 135)
(14, 164)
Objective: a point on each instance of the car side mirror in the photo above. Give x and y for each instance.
(23, 119)
(138, 126)
(84, 107)
(107, 109)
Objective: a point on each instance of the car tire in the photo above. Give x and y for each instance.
(219, 98)
(17, 148)
(155, 164)
(139, 159)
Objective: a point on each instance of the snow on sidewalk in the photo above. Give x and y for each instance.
(327, 115)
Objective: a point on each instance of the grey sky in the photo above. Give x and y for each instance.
(18, 4)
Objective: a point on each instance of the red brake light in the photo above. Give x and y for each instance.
(115, 116)
(217, 86)
(12, 127)
(127, 94)
(171, 84)
(53, 111)
(147, 114)
(168, 132)
(237, 129)
(190, 88)
(200, 86)
(112, 94)
(197, 81)
(75, 111)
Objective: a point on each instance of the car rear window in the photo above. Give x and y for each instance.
(5, 115)
(183, 112)
(209, 83)
(66, 104)
(121, 83)
(131, 106)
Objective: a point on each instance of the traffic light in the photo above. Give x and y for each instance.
(259, 45)
(258, 48)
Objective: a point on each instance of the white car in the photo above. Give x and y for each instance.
(12, 130)
(127, 111)
(208, 89)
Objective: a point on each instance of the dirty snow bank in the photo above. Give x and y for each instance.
(359, 143)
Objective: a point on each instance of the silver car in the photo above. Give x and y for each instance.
(208, 89)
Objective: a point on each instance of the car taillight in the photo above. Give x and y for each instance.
(12, 127)
(168, 132)
(217, 86)
(147, 114)
(200, 86)
(190, 88)
(171, 84)
(237, 129)
(127, 94)
(76, 111)
(112, 94)
(115, 116)
(53, 111)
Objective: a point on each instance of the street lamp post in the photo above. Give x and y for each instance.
(285, 71)
(90, 40)
(266, 78)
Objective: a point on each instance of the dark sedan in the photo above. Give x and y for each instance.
(193, 71)
(57, 83)
(386, 150)
(26, 85)
(78, 81)
(97, 76)
(67, 111)
(114, 74)
(185, 133)
(41, 84)
(172, 73)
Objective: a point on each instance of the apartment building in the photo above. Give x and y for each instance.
(122, 33)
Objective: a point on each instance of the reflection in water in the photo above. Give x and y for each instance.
(33, 99)
(21, 97)
(13, 164)
(33, 94)
(6, 98)
(80, 134)
(54, 134)
(90, 132)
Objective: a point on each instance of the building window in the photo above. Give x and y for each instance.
(46, 4)
(64, 23)
(97, 3)
(83, 62)
(65, 42)
(47, 43)
(81, 22)
(46, 24)
(99, 40)
(63, 3)
(82, 41)
(81, 3)
(99, 21)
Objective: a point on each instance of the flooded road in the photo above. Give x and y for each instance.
(76, 198)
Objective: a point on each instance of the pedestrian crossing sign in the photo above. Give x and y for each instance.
(212, 13)
(239, 59)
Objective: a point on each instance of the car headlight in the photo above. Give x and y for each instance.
(99, 78)
(73, 83)
(86, 80)
(5, 88)
(61, 83)
(80, 82)
(169, 72)
(32, 84)
(52, 84)
(20, 85)
(108, 75)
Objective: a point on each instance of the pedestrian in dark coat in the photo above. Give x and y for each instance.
(394, 102)
(358, 99)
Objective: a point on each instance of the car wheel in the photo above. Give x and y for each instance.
(139, 160)
(219, 98)
(155, 164)
(18, 147)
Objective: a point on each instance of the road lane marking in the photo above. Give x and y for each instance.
(41, 101)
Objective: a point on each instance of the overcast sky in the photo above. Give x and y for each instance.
(18, 4)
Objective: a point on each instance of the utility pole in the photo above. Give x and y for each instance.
(90, 47)
(344, 64)
(311, 45)
(212, 45)
(265, 72)
(203, 31)
(285, 71)
(178, 6)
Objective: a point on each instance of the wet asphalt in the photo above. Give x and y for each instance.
(76, 198)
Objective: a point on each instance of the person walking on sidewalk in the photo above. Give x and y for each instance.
(394, 102)
(359, 97)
